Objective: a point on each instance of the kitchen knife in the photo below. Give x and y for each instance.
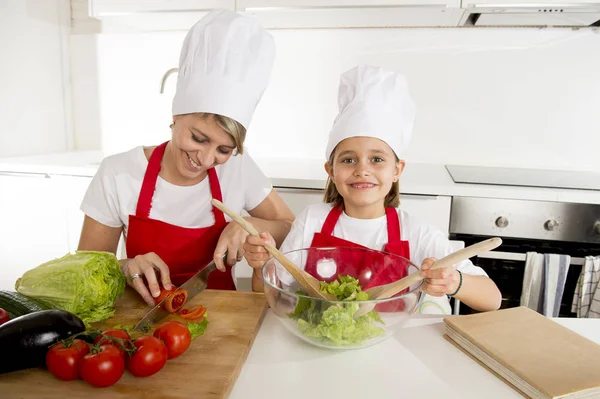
(193, 287)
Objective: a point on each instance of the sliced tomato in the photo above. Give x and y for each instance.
(162, 295)
(175, 300)
(193, 313)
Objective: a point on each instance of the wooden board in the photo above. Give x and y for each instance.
(208, 369)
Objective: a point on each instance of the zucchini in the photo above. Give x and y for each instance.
(24, 341)
(18, 304)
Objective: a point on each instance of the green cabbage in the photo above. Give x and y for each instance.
(86, 284)
(335, 324)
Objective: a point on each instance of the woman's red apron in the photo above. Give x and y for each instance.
(372, 268)
(184, 250)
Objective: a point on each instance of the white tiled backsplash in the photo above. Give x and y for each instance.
(509, 97)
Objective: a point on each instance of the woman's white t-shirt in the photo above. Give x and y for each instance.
(425, 241)
(113, 193)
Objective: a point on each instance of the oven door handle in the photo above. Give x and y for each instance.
(516, 256)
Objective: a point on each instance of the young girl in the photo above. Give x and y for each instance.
(370, 133)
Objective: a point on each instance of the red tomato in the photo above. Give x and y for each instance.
(121, 334)
(4, 316)
(63, 361)
(104, 368)
(176, 300)
(162, 295)
(193, 313)
(176, 337)
(149, 358)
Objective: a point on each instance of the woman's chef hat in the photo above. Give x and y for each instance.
(373, 102)
(224, 67)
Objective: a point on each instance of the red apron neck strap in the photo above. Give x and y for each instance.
(147, 192)
(215, 189)
(331, 220)
(393, 224)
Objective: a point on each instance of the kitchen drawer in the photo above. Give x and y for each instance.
(298, 199)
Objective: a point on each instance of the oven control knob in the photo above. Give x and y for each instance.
(550, 224)
(597, 227)
(502, 222)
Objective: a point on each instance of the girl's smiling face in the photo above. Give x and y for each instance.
(363, 171)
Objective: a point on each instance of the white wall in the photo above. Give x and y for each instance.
(34, 82)
(511, 97)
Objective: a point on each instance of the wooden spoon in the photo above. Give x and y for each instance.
(310, 284)
(391, 289)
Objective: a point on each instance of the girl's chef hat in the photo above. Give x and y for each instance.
(373, 102)
(224, 67)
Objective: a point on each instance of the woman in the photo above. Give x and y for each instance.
(159, 197)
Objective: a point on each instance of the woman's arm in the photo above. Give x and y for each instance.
(96, 236)
(271, 215)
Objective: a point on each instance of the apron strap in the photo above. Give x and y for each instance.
(149, 184)
(393, 224)
(147, 192)
(331, 220)
(215, 189)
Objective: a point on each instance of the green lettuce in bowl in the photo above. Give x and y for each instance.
(335, 324)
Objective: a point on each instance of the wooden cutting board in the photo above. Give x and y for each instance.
(208, 369)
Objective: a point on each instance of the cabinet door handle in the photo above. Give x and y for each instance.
(25, 174)
(299, 190)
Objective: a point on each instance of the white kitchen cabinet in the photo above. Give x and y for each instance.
(298, 199)
(150, 15)
(32, 224)
(430, 209)
(352, 13)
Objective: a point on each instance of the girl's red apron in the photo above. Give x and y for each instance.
(184, 250)
(372, 268)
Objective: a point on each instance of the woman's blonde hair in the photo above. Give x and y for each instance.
(231, 126)
(333, 196)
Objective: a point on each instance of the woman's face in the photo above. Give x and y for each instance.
(199, 144)
(363, 170)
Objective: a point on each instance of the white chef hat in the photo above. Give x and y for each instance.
(224, 67)
(373, 102)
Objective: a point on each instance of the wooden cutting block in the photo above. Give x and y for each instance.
(208, 369)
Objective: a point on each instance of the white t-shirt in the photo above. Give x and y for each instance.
(113, 193)
(425, 242)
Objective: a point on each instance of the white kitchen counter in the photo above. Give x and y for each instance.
(417, 362)
(417, 179)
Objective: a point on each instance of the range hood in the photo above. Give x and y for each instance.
(518, 13)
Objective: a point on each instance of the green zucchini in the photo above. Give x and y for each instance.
(18, 304)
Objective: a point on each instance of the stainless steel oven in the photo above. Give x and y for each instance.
(526, 226)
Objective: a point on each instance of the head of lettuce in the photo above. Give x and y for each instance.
(86, 284)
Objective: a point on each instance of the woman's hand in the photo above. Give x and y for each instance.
(145, 266)
(231, 241)
(439, 282)
(255, 252)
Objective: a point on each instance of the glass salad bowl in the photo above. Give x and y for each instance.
(345, 272)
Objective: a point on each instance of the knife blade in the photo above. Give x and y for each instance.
(195, 285)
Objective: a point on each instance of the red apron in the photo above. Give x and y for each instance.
(372, 268)
(184, 250)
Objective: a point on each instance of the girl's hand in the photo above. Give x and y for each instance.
(255, 252)
(146, 266)
(231, 241)
(439, 282)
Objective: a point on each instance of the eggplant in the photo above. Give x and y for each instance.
(25, 340)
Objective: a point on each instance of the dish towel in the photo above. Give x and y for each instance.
(556, 268)
(533, 282)
(544, 282)
(586, 300)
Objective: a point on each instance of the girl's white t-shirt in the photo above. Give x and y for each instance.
(113, 192)
(425, 241)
